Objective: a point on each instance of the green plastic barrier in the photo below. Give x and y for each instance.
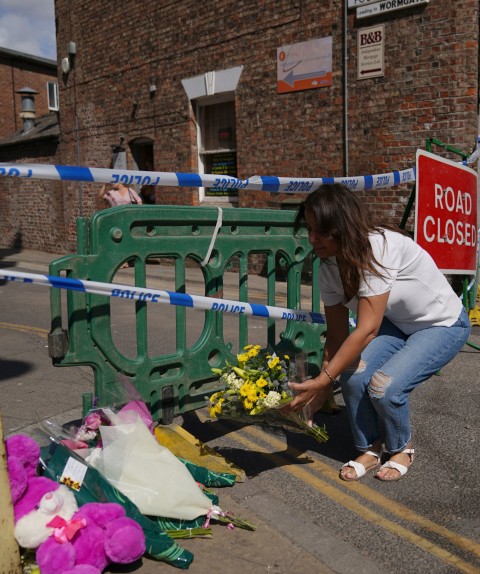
(252, 246)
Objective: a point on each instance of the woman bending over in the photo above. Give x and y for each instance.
(410, 323)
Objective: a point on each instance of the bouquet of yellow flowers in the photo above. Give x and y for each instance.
(255, 390)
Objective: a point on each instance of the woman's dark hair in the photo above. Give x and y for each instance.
(341, 215)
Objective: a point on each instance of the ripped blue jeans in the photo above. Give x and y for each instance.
(377, 393)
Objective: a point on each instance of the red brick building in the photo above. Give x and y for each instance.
(31, 212)
(305, 89)
(18, 71)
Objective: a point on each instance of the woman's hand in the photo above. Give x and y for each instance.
(103, 191)
(311, 395)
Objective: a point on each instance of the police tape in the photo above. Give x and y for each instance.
(130, 293)
(271, 184)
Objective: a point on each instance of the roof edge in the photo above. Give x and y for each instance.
(28, 57)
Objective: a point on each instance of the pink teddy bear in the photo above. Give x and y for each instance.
(68, 539)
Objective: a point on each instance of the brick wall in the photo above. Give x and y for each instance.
(17, 72)
(429, 89)
(32, 210)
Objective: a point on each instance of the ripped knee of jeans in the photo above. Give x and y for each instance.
(348, 376)
(356, 368)
(379, 383)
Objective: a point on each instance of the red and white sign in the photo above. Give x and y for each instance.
(304, 65)
(446, 213)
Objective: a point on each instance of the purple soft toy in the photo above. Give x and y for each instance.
(105, 535)
(22, 460)
(69, 540)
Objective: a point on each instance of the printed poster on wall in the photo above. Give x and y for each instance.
(224, 163)
(304, 66)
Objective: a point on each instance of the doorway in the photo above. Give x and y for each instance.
(142, 153)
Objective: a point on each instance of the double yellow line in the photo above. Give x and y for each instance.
(337, 493)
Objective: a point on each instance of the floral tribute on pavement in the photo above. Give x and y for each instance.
(113, 456)
(255, 390)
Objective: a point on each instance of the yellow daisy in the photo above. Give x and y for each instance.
(261, 382)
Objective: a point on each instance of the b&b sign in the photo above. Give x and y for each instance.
(446, 213)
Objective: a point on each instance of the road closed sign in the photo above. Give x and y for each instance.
(446, 213)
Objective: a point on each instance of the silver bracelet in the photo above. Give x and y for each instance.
(329, 375)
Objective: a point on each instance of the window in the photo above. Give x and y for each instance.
(217, 144)
(52, 95)
(213, 98)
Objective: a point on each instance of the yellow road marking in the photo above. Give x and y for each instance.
(350, 503)
(24, 328)
(400, 510)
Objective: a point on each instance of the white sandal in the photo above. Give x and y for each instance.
(401, 468)
(359, 468)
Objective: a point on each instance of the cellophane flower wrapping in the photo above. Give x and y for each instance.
(255, 390)
(148, 473)
(117, 442)
(173, 492)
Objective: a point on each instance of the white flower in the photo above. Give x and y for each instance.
(272, 399)
(85, 435)
(234, 382)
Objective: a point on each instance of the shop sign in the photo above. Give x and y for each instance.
(370, 50)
